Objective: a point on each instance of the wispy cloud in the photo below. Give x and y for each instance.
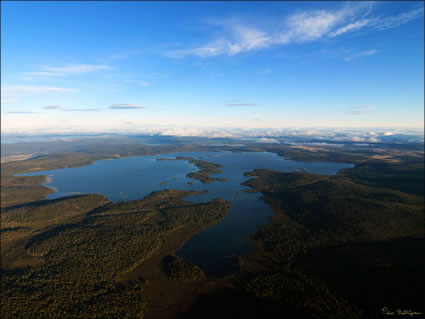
(64, 109)
(398, 20)
(79, 110)
(361, 110)
(360, 54)
(20, 112)
(381, 23)
(44, 74)
(245, 39)
(34, 90)
(143, 83)
(350, 27)
(310, 25)
(120, 56)
(76, 68)
(8, 101)
(53, 107)
(126, 106)
(240, 104)
(139, 83)
(72, 69)
(302, 27)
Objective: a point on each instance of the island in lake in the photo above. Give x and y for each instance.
(254, 231)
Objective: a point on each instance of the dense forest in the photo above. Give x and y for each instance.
(362, 243)
(81, 263)
(343, 246)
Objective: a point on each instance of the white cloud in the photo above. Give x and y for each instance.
(76, 68)
(307, 26)
(398, 20)
(318, 135)
(20, 112)
(8, 101)
(79, 110)
(126, 106)
(138, 83)
(44, 73)
(53, 107)
(121, 56)
(360, 54)
(373, 140)
(350, 27)
(310, 26)
(212, 49)
(388, 133)
(248, 39)
(63, 109)
(239, 38)
(268, 140)
(357, 139)
(33, 90)
(67, 70)
(241, 104)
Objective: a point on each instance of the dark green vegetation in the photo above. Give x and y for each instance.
(206, 169)
(338, 247)
(61, 154)
(335, 249)
(350, 250)
(405, 178)
(339, 209)
(180, 269)
(17, 190)
(82, 263)
(21, 223)
(23, 189)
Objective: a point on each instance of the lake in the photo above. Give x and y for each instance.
(136, 177)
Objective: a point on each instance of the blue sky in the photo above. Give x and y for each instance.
(124, 66)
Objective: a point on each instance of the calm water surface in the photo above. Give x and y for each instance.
(136, 177)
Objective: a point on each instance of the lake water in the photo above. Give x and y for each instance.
(136, 177)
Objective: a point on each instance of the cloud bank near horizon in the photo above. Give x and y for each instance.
(234, 65)
(269, 136)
